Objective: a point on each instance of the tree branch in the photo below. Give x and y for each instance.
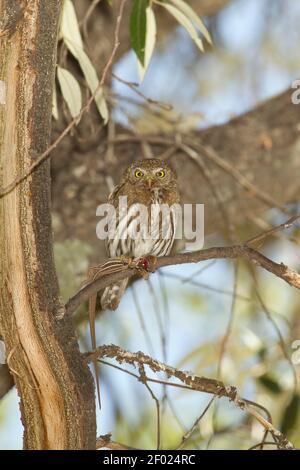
(241, 166)
(114, 271)
(106, 442)
(202, 384)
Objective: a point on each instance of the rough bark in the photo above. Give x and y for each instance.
(55, 387)
(6, 380)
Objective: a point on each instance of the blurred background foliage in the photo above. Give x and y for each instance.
(188, 316)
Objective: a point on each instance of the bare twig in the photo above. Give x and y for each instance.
(197, 159)
(193, 382)
(207, 287)
(143, 379)
(276, 328)
(134, 86)
(42, 157)
(87, 16)
(191, 431)
(261, 445)
(106, 442)
(141, 320)
(211, 154)
(225, 338)
(273, 230)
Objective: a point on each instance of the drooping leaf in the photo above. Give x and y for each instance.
(192, 15)
(185, 22)
(138, 21)
(70, 33)
(290, 416)
(91, 77)
(69, 27)
(70, 90)
(150, 42)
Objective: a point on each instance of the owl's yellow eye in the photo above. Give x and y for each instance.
(161, 173)
(138, 173)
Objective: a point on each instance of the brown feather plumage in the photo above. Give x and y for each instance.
(146, 182)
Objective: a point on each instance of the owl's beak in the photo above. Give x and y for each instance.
(150, 183)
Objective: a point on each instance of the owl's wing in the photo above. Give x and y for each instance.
(113, 199)
(114, 194)
(125, 230)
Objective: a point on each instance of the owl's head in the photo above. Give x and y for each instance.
(150, 174)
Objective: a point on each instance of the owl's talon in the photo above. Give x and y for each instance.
(148, 263)
(145, 265)
(127, 260)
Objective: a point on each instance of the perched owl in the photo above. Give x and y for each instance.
(152, 184)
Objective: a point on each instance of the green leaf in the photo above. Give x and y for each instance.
(190, 13)
(150, 42)
(289, 419)
(70, 90)
(138, 21)
(185, 22)
(270, 384)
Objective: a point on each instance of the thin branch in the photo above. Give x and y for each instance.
(191, 431)
(225, 339)
(197, 273)
(139, 312)
(231, 252)
(273, 230)
(159, 320)
(134, 86)
(212, 155)
(244, 182)
(261, 445)
(276, 328)
(42, 157)
(197, 159)
(87, 16)
(207, 287)
(143, 379)
(106, 442)
(201, 384)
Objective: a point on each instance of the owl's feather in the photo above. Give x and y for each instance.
(163, 191)
(112, 295)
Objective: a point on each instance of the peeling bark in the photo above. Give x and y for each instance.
(55, 387)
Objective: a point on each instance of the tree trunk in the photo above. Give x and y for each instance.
(55, 387)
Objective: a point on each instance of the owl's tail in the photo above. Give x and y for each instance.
(112, 295)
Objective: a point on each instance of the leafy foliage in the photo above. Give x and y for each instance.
(71, 36)
(143, 27)
(138, 22)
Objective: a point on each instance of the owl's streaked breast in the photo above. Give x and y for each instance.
(148, 240)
